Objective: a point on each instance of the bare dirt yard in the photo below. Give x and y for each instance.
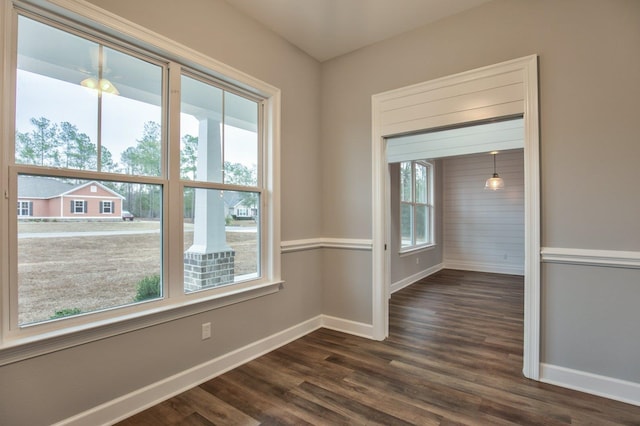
(95, 271)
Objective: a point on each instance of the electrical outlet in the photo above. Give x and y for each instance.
(417, 260)
(206, 331)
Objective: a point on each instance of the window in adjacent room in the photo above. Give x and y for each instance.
(416, 204)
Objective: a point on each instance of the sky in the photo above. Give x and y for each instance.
(123, 118)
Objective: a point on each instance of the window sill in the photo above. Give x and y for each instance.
(417, 249)
(19, 349)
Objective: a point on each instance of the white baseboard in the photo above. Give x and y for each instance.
(484, 267)
(141, 399)
(607, 387)
(347, 326)
(399, 285)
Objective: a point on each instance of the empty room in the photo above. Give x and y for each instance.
(274, 212)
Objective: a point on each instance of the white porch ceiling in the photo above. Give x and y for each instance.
(326, 29)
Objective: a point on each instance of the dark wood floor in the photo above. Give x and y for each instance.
(453, 356)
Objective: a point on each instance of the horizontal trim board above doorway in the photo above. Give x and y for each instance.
(473, 96)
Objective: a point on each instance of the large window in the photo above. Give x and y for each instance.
(416, 204)
(92, 139)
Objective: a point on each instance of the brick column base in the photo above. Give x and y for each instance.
(207, 270)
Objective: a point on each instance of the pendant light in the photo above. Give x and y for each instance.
(495, 182)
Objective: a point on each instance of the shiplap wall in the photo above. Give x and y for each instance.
(484, 230)
(463, 98)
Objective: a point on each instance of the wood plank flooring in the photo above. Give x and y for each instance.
(453, 357)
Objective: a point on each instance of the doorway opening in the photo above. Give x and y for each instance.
(503, 90)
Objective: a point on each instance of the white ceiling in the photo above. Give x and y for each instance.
(329, 28)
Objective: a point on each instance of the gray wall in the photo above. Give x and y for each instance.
(588, 74)
(590, 319)
(49, 388)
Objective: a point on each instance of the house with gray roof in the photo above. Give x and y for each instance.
(240, 205)
(42, 197)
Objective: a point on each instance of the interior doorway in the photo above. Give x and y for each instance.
(502, 90)
(461, 225)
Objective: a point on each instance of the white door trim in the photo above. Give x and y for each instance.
(499, 90)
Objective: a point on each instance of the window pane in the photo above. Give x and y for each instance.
(200, 131)
(422, 224)
(240, 140)
(421, 183)
(72, 259)
(68, 88)
(56, 118)
(406, 224)
(405, 181)
(132, 119)
(221, 237)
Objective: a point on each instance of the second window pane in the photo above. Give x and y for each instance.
(76, 257)
(221, 230)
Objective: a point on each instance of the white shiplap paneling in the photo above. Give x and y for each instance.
(474, 97)
(484, 230)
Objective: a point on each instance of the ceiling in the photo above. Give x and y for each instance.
(326, 29)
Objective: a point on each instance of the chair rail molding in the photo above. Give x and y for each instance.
(318, 243)
(589, 257)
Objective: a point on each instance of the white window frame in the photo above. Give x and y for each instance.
(18, 343)
(429, 205)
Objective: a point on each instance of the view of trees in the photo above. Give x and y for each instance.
(63, 145)
(60, 145)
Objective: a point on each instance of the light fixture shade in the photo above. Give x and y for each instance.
(494, 183)
(103, 85)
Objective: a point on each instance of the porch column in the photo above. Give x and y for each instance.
(209, 262)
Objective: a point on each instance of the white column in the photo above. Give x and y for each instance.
(209, 219)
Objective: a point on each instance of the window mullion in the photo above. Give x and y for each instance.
(413, 203)
(172, 223)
